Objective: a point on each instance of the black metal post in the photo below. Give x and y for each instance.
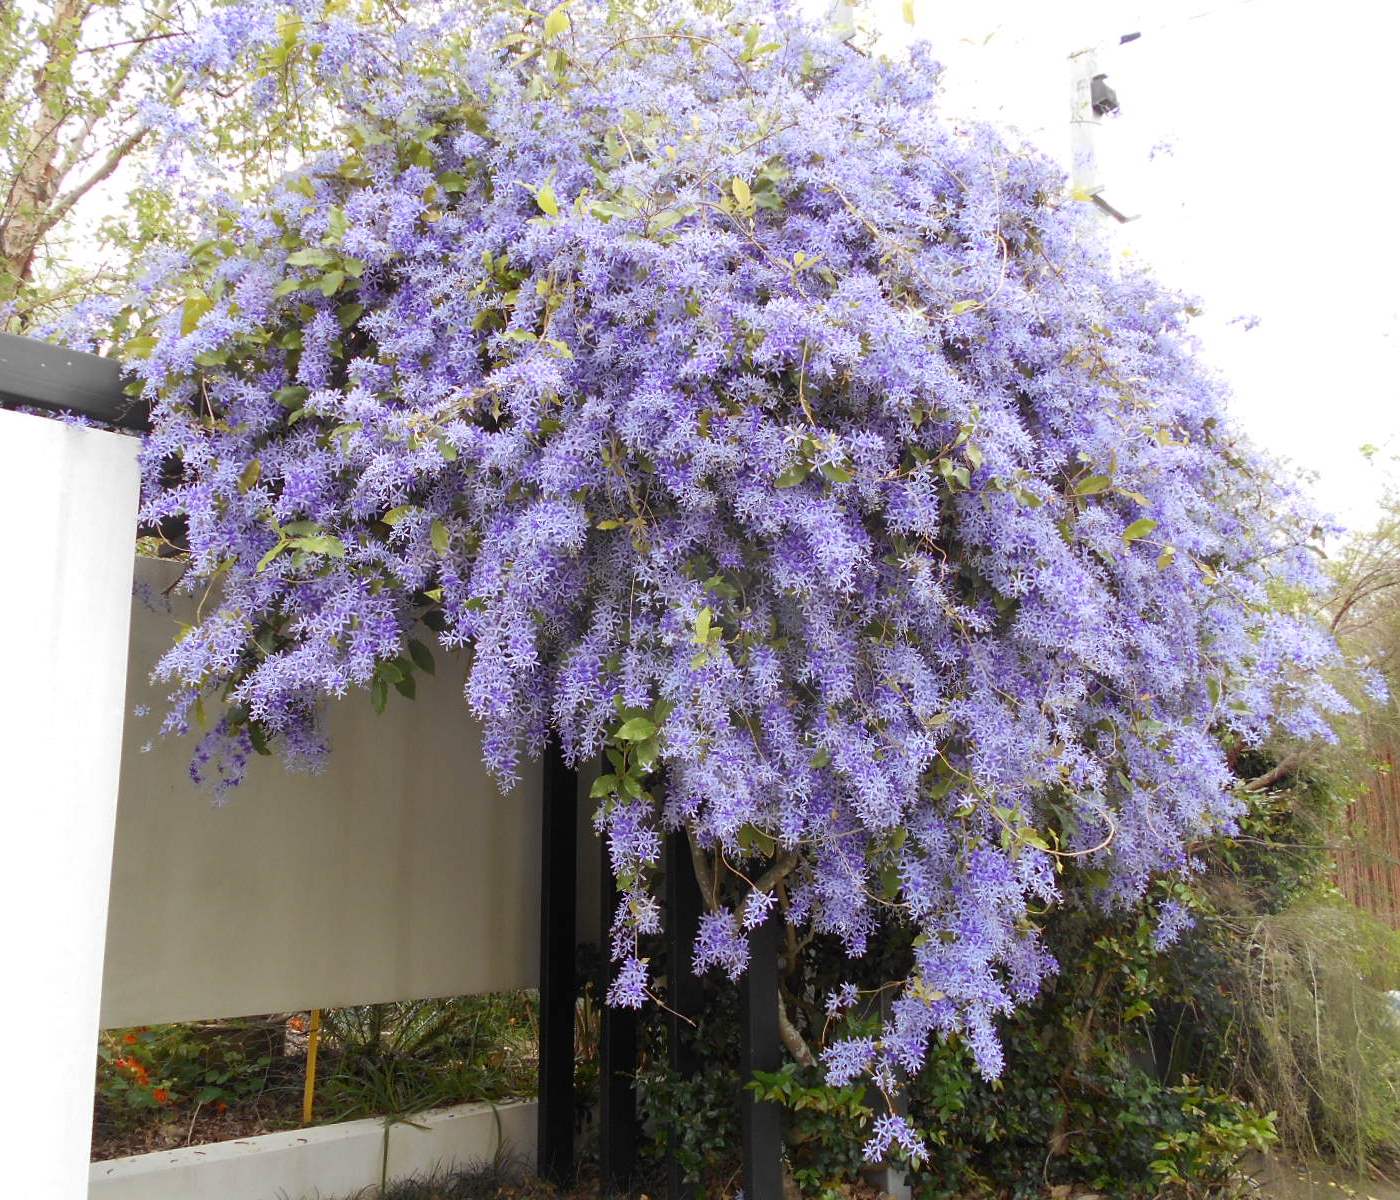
(683, 992)
(617, 1060)
(558, 992)
(760, 1050)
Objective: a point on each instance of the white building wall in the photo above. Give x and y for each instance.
(67, 520)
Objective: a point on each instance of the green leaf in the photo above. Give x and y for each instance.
(753, 838)
(606, 210)
(349, 314)
(406, 686)
(638, 729)
(330, 282)
(742, 192)
(647, 753)
(336, 225)
(441, 536)
(1166, 558)
(271, 554)
(837, 474)
(309, 257)
(545, 197)
(379, 695)
(664, 220)
(422, 657)
(963, 306)
(195, 307)
(604, 785)
(452, 181)
(395, 515)
(1139, 529)
(327, 544)
(251, 473)
(291, 397)
(556, 23)
(794, 475)
(702, 627)
(1093, 485)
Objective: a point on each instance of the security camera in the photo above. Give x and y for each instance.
(1103, 98)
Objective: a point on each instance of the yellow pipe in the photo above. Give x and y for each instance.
(313, 1043)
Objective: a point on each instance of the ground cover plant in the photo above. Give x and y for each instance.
(754, 426)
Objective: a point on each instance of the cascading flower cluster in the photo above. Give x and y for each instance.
(750, 423)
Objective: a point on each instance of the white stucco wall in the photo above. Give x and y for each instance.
(67, 520)
(401, 872)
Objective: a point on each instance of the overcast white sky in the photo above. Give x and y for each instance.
(1270, 191)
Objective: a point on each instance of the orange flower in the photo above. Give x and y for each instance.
(130, 1039)
(223, 1106)
(161, 1096)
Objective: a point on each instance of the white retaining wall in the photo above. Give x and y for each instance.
(329, 1162)
(67, 520)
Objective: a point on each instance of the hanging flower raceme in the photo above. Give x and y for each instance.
(753, 425)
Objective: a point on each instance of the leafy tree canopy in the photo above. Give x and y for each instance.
(91, 92)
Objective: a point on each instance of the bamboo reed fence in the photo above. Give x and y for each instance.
(1368, 864)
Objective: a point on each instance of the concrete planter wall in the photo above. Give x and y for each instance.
(329, 1162)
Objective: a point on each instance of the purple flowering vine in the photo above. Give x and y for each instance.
(750, 423)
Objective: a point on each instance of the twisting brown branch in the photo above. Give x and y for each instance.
(1288, 765)
(796, 1044)
(706, 872)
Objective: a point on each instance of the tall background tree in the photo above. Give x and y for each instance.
(90, 100)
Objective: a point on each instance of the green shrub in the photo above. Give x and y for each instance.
(387, 1059)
